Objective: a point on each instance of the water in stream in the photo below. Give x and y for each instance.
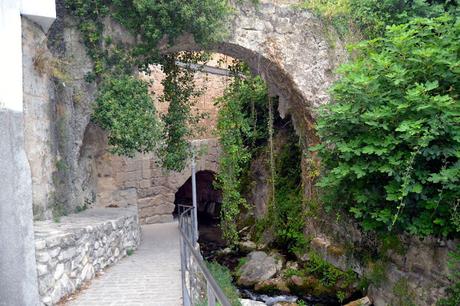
(212, 244)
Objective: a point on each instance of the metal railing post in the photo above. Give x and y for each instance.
(195, 207)
(192, 263)
(211, 297)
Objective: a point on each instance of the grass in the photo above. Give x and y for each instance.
(224, 279)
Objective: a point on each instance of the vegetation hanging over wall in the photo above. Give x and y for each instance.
(286, 215)
(238, 132)
(391, 139)
(245, 124)
(155, 25)
(371, 17)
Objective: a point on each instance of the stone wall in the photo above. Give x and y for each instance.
(139, 180)
(409, 269)
(71, 252)
(212, 86)
(290, 48)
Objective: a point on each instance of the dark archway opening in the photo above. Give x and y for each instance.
(209, 200)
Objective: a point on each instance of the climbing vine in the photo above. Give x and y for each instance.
(237, 131)
(179, 91)
(155, 26)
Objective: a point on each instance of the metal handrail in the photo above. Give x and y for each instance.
(214, 292)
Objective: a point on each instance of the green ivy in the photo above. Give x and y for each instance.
(286, 210)
(155, 26)
(179, 91)
(391, 138)
(238, 132)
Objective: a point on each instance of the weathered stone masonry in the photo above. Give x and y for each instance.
(72, 251)
(290, 48)
(139, 180)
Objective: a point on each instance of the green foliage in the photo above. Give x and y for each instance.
(453, 292)
(223, 277)
(286, 211)
(371, 17)
(328, 275)
(156, 20)
(391, 139)
(129, 252)
(125, 109)
(179, 89)
(156, 25)
(236, 134)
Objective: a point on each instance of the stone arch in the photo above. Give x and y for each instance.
(299, 75)
(291, 49)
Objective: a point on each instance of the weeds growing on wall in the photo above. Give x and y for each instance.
(453, 292)
(371, 17)
(391, 139)
(238, 133)
(286, 214)
(155, 25)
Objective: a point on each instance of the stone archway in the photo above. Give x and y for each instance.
(258, 34)
(209, 198)
(291, 48)
(298, 75)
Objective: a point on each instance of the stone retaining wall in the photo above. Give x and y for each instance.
(140, 180)
(72, 251)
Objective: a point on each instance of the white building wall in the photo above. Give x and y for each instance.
(18, 273)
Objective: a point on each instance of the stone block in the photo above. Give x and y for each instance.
(145, 184)
(159, 219)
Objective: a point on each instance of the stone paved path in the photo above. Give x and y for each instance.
(151, 276)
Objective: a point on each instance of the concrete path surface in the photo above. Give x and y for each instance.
(151, 276)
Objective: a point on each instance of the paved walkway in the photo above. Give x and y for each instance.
(151, 276)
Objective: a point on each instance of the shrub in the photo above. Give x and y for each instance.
(391, 138)
(371, 17)
(125, 109)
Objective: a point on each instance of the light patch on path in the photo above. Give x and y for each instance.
(151, 276)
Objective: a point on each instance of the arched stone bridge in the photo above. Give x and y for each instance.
(45, 124)
(291, 48)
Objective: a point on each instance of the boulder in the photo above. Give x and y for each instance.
(247, 246)
(270, 285)
(246, 302)
(361, 302)
(258, 268)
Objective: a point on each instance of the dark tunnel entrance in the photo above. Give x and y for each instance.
(209, 200)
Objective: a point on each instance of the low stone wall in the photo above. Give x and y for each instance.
(412, 271)
(72, 251)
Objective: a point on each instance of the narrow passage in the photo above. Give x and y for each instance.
(151, 276)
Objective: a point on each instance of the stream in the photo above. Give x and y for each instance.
(213, 248)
